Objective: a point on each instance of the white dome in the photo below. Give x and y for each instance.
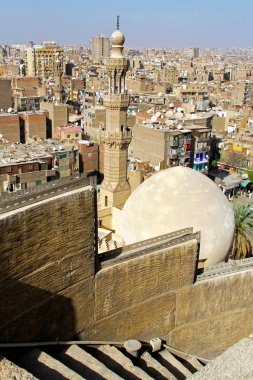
(117, 38)
(178, 198)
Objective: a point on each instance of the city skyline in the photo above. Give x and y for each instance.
(161, 24)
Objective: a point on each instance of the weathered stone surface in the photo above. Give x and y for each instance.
(47, 268)
(128, 283)
(58, 317)
(10, 371)
(213, 314)
(209, 337)
(214, 296)
(149, 319)
(85, 364)
(46, 367)
(45, 232)
(235, 363)
(53, 278)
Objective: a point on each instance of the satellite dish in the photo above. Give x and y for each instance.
(169, 114)
(153, 119)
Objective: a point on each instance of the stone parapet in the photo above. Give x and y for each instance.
(121, 63)
(116, 100)
(116, 137)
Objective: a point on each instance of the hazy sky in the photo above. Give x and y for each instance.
(156, 23)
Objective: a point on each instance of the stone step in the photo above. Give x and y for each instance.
(46, 367)
(155, 368)
(102, 362)
(120, 363)
(174, 365)
(85, 364)
(195, 363)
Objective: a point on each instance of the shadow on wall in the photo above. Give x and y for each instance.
(31, 314)
(47, 263)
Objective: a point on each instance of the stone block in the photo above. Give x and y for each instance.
(52, 317)
(209, 337)
(149, 319)
(214, 296)
(134, 281)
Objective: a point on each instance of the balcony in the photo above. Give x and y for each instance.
(198, 161)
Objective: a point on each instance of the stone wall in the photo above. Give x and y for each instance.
(213, 314)
(47, 267)
(136, 297)
(54, 286)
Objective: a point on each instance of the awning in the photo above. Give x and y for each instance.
(231, 181)
(245, 183)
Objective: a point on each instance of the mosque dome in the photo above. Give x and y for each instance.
(117, 38)
(178, 198)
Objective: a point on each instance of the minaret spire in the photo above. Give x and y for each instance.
(117, 22)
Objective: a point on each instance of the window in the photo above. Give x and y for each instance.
(77, 135)
(89, 154)
(68, 136)
(106, 201)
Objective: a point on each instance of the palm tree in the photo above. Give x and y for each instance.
(242, 245)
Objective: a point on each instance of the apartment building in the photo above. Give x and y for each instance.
(5, 94)
(40, 60)
(100, 48)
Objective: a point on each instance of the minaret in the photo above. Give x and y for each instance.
(115, 188)
(58, 82)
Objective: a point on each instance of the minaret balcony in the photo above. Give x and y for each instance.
(119, 63)
(116, 136)
(117, 100)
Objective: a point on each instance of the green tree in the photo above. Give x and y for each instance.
(242, 245)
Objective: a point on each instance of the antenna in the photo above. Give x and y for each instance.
(117, 22)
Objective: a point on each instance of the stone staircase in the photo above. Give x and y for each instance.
(103, 362)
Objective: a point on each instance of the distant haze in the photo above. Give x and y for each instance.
(146, 23)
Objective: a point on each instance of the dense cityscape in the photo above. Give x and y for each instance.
(126, 211)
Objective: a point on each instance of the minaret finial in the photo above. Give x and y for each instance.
(117, 22)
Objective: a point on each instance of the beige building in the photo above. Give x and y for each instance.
(9, 127)
(25, 93)
(5, 94)
(162, 148)
(58, 115)
(100, 48)
(40, 60)
(34, 124)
